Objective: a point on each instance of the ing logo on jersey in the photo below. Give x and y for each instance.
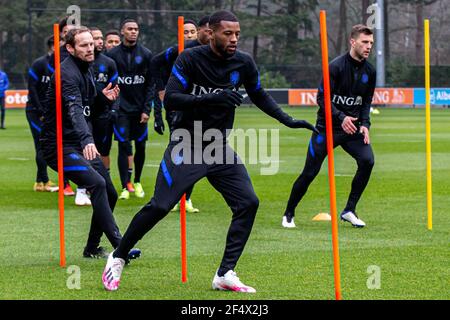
(131, 80)
(348, 101)
(87, 111)
(102, 68)
(234, 78)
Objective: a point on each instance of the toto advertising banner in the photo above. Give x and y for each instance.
(16, 98)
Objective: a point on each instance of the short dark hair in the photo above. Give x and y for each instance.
(112, 32)
(360, 28)
(50, 41)
(62, 23)
(223, 15)
(94, 29)
(203, 21)
(70, 37)
(127, 20)
(191, 22)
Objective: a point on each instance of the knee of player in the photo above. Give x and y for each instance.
(112, 194)
(367, 162)
(99, 182)
(126, 148)
(159, 207)
(252, 202)
(308, 175)
(140, 146)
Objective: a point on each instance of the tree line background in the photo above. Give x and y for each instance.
(282, 35)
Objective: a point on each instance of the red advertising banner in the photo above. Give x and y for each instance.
(394, 96)
(16, 98)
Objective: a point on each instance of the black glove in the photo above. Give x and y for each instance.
(294, 123)
(159, 125)
(224, 99)
(159, 122)
(113, 116)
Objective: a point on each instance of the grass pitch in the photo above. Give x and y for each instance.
(281, 264)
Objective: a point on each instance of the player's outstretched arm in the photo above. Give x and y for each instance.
(266, 103)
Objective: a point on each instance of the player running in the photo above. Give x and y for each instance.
(353, 81)
(163, 63)
(223, 69)
(82, 163)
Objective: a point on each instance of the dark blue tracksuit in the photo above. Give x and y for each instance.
(352, 89)
(39, 76)
(105, 72)
(78, 95)
(195, 72)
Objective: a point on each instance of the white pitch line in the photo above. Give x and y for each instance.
(18, 159)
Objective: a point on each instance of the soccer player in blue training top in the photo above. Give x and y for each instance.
(136, 99)
(162, 65)
(39, 76)
(112, 39)
(204, 86)
(103, 115)
(353, 81)
(82, 163)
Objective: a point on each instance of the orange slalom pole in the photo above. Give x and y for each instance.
(329, 131)
(59, 145)
(183, 198)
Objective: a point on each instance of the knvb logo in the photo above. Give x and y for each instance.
(348, 101)
(131, 80)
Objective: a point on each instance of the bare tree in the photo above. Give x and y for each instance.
(342, 33)
(364, 15)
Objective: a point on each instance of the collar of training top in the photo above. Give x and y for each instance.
(83, 65)
(355, 62)
(215, 56)
(129, 48)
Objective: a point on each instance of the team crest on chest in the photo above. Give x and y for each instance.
(365, 78)
(138, 59)
(235, 77)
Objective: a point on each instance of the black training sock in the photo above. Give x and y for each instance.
(221, 272)
(139, 160)
(122, 162)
